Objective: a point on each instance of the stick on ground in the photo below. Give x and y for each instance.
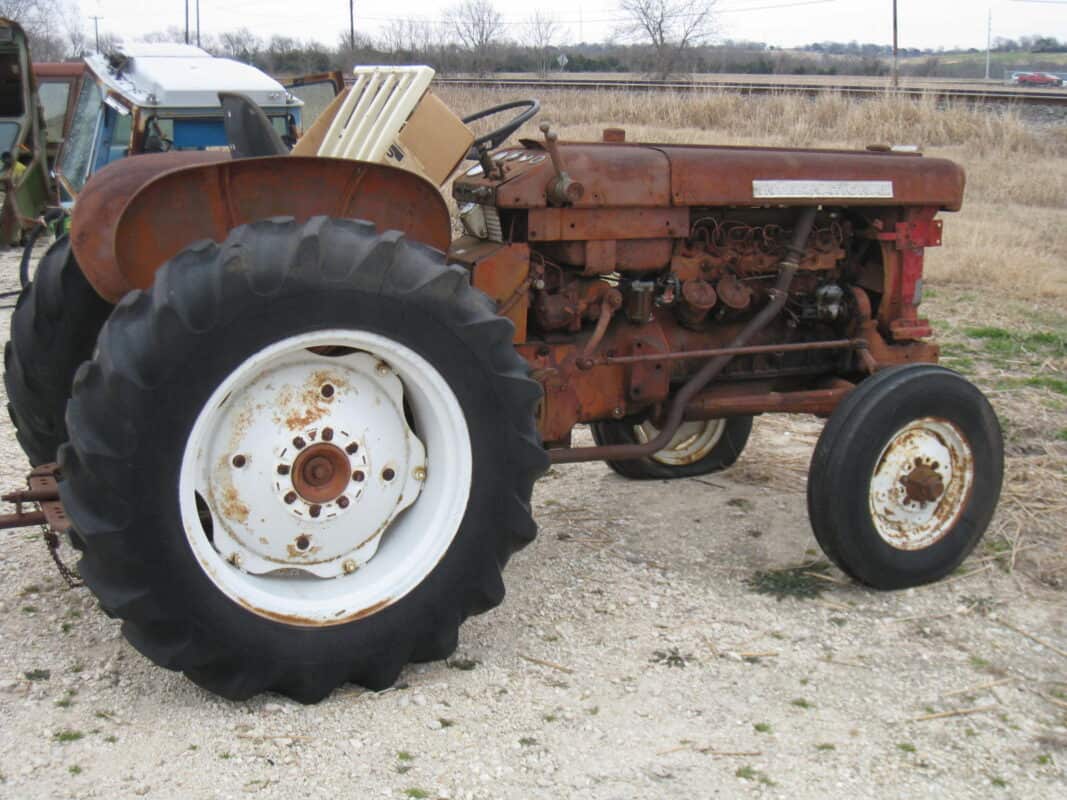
(544, 663)
(963, 712)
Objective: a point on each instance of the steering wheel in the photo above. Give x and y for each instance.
(498, 136)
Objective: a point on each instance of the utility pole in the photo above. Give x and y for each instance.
(352, 24)
(988, 42)
(197, 23)
(96, 27)
(896, 66)
(187, 21)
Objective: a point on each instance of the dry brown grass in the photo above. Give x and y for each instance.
(1011, 236)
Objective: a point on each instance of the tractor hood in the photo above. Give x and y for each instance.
(653, 175)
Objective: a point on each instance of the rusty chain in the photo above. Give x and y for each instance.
(51, 540)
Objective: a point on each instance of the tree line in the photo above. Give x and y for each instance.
(657, 38)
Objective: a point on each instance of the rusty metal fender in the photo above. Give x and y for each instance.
(138, 213)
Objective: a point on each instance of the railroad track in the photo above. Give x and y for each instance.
(1001, 94)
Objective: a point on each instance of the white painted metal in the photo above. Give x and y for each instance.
(692, 442)
(182, 76)
(931, 443)
(378, 104)
(272, 556)
(810, 189)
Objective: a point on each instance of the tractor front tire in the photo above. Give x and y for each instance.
(302, 458)
(905, 476)
(53, 330)
(699, 448)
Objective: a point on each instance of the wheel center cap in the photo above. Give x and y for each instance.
(321, 473)
(923, 484)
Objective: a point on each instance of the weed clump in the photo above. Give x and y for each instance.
(800, 582)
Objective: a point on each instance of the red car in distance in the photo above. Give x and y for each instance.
(1037, 79)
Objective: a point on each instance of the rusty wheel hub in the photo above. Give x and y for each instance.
(921, 483)
(321, 473)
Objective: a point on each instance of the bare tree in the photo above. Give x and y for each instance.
(45, 24)
(669, 26)
(478, 25)
(172, 35)
(78, 45)
(241, 44)
(542, 34)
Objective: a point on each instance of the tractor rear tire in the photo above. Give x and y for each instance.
(699, 448)
(905, 476)
(228, 556)
(53, 330)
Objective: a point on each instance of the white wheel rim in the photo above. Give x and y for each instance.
(921, 483)
(692, 442)
(399, 510)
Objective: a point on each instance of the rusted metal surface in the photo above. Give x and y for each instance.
(166, 208)
(585, 224)
(615, 175)
(501, 271)
(101, 203)
(321, 472)
(44, 492)
(31, 495)
(708, 372)
(923, 484)
(22, 519)
(902, 257)
(796, 347)
(625, 175)
(762, 398)
(725, 176)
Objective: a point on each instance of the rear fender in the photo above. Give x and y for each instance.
(121, 243)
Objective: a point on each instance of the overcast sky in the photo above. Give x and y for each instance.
(923, 23)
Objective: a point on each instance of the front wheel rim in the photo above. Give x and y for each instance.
(693, 441)
(921, 483)
(326, 477)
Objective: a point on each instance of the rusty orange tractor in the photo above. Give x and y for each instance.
(298, 423)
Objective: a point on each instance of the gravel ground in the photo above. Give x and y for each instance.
(631, 659)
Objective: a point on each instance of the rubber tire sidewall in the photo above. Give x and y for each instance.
(847, 453)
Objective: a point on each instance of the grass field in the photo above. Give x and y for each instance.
(997, 288)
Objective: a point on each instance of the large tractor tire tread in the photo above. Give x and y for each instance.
(136, 559)
(53, 330)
